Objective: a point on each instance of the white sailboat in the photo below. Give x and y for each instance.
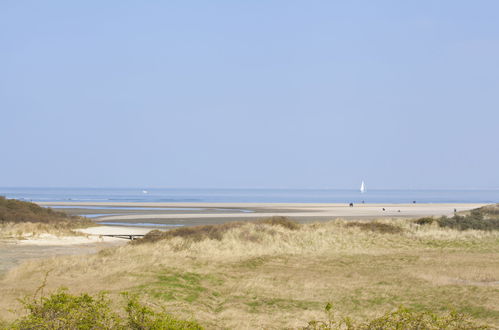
(362, 187)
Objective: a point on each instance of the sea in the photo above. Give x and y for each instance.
(173, 195)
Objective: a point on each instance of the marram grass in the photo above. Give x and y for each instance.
(266, 275)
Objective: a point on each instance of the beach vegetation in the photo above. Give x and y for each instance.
(63, 310)
(376, 226)
(401, 318)
(15, 211)
(484, 218)
(425, 221)
(20, 218)
(217, 232)
(260, 275)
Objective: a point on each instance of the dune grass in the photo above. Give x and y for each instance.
(484, 218)
(25, 219)
(269, 275)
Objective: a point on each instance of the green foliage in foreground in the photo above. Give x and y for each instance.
(402, 318)
(478, 219)
(63, 310)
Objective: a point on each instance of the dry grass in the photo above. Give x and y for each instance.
(375, 226)
(24, 219)
(214, 232)
(37, 229)
(16, 211)
(260, 275)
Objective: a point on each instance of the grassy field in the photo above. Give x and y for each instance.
(269, 275)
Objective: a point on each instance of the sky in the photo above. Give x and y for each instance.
(249, 94)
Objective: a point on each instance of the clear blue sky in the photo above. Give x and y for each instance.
(303, 94)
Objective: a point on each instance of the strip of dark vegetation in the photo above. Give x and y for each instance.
(15, 211)
(484, 218)
(216, 232)
(376, 227)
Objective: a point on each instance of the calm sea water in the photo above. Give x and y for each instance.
(250, 195)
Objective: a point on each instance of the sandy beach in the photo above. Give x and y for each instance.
(189, 214)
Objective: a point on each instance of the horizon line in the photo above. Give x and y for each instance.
(239, 188)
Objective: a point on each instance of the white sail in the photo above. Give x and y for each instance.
(362, 187)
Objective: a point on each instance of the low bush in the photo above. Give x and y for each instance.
(15, 211)
(484, 218)
(195, 233)
(378, 227)
(425, 221)
(215, 232)
(63, 310)
(475, 220)
(490, 210)
(402, 318)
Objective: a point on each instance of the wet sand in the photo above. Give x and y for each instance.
(189, 214)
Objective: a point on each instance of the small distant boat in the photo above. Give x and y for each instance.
(145, 192)
(362, 187)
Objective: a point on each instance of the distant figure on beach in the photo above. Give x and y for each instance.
(383, 209)
(413, 202)
(455, 210)
(362, 202)
(351, 204)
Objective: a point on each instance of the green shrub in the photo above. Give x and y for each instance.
(63, 310)
(475, 220)
(484, 218)
(402, 318)
(12, 210)
(490, 210)
(424, 221)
